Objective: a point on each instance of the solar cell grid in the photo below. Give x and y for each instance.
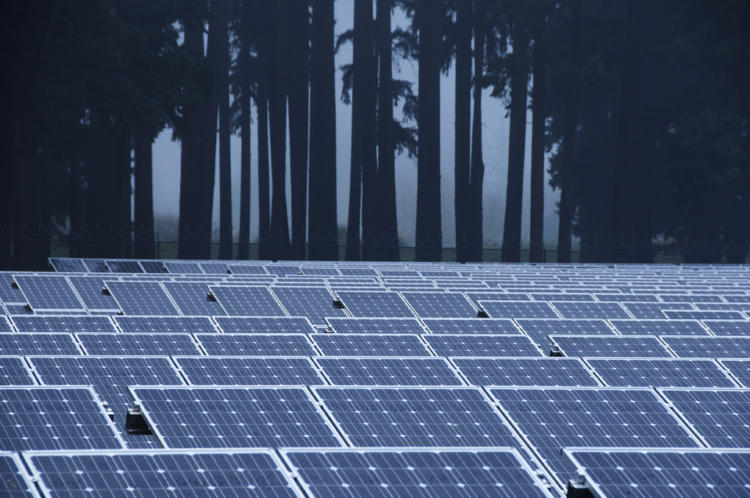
(137, 344)
(708, 347)
(509, 371)
(517, 309)
(245, 269)
(315, 303)
(729, 327)
(256, 344)
(37, 343)
(246, 301)
(704, 315)
(48, 292)
(659, 327)
(375, 304)
(141, 298)
(375, 325)
(89, 289)
(602, 346)
(497, 296)
(14, 480)
(666, 372)
(370, 344)
(627, 298)
(246, 370)
(227, 416)
(566, 297)
(654, 310)
(481, 345)
(264, 325)
(13, 372)
(738, 368)
(164, 324)
(73, 265)
(471, 326)
(385, 371)
(4, 323)
(96, 265)
(191, 298)
(440, 305)
(62, 323)
(214, 268)
(590, 310)
(182, 267)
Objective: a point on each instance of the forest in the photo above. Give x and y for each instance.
(639, 115)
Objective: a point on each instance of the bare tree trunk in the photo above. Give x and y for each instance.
(225, 158)
(536, 238)
(144, 197)
(462, 148)
(245, 125)
(476, 177)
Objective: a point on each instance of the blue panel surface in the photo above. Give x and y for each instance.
(123, 266)
(729, 327)
(647, 311)
(139, 344)
(591, 310)
(36, 343)
(458, 416)
(705, 315)
(141, 298)
(471, 326)
(247, 301)
(246, 370)
(539, 330)
(709, 347)
(440, 304)
(659, 327)
(739, 368)
(481, 345)
(517, 309)
(165, 324)
(388, 371)
(370, 344)
(256, 344)
(315, 303)
(182, 267)
(191, 298)
(376, 325)
(264, 325)
(601, 346)
(14, 481)
(13, 372)
(525, 371)
(226, 417)
(63, 323)
(68, 265)
(89, 289)
(375, 304)
(48, 292)
(635, 372)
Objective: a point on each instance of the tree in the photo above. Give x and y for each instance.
(536, 238)
(225, 165)
(243, 96)
(476, 176)
(462, 150)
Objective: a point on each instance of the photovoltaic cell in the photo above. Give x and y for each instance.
(370, 345)
(96, 265)
(729, 327)
(165, 324)
(388, 371)
(720, 416)
(409, 472)
(631, 346)
(457, 416)
(141, 298)
(247, 301)
(704, 315)
(481, 345)
(627, 298)
(191, 298)
(53, 418)
(161, 473)
(60, 323)
(139, 344)
(562, 297)
(226, 417)
(245, 370)
(674, 372)
(709, 347)
(645, 311)
(375, 325)
(517, 309)
(182, 267)
(13, 372)
(496, 296)
(315, 303)
(553, 418)
(471, 326)
(664, 473)
(659, 327)
(739, 368)
(375, 304)
(123, 266)
(14, 481)
(264, 325)
(48, 292)
(73, 265)
(440, 304)
(89, 289)
(256, 344)
(37, 343)
(590, 310)
(525, 371)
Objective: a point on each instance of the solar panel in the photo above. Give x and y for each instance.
(507, 371)
(315, 303)
(247, 269)
(326, 272)
(246, 370)
(412, 472)
(13, 372)
(14, 481)
(704, 315)
(182, 267)
(709, 347)
(141, 298)
(226, 417)
(37, 343)
(388, 371)
(53, 418)
(410, 416)
(517, 309)
(283, 270)
(659, 327)
(89, 289)
(96, 265)
(375, 325)
(666, 372)
(481, 345)
(645, 311)
(729, 327)
(370, 344)
(720, 416)
(247, 301)
(48, 292)
(74, 265)
(627, 298)
(690, 298)
(551, 418)
(739, 369)
(375, 304)
(590, 310)
(601, 346)
(161, 473)
(191, 298)
(264, 325)
(62, 323)
(139, 344)
(152, 266)
(165, 324)
(124, 266)
(562, 297)
(214, 268)
(742, 298)
(256, 344)
(665, 473)
(440, 304)
(539, 330)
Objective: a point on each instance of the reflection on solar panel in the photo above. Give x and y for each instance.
(525, 371)
(552, 418)
(481, 345)
(667, 372)
(162, 472)
(53, 418)
(709, 347)
(13, 372)
(36, 343)
(471, 326)
(440, 304)
(165, 324)
(247, 301)
(654, 310)
(315, 303)
(256, 344)
(517, 309)
(375, 325)
(457, 416)
(14, 481)
(729, 327)
(389, 371)
(264, 325)
(739, 368)
(601, 346)
(245, 371)
(139, 344)
(48, 292)
(191, 298)
(89, 289)
(659, 327)
(590, 310)
(370, 345)
(664, 473)
(404, 472)
(141, 298)
(720, 416)
(59, 323)
(226, 417)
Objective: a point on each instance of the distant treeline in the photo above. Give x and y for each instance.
(643, 107)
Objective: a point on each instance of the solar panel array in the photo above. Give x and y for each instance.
(231, 378)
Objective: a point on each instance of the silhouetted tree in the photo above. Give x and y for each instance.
(462, 150)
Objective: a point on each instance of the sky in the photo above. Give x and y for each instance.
(495, 128)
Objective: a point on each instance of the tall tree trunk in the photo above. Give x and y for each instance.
(536, 238)
(476, 176)
(144, 197)
(462, 150)
(298, 119)
(225, 158)
(278, 109)
(516, 147)
(366, 75)
(245, 120)
(428, 231)
(322, 220)
(387, 216)
(264, 197)
(121, 219)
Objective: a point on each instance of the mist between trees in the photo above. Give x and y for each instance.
(641, 108)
